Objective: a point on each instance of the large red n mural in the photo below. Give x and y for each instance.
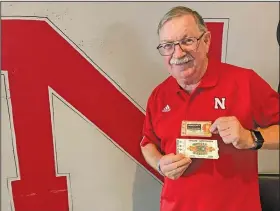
(37, 56)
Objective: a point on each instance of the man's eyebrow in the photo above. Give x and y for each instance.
(186, 36)
(168, 41)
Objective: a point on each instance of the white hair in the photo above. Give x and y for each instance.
(180, 11)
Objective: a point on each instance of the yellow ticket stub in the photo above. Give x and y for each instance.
(196, 128)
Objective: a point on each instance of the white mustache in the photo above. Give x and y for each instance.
(182, 60)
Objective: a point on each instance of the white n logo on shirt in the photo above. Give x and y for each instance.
(220, 103)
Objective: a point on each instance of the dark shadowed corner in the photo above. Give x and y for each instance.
(269, 192)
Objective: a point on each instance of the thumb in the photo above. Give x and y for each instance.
(213, 128)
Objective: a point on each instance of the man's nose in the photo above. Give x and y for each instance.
(178, 52)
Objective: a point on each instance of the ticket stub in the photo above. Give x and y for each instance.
(198, 148)
(196, 128)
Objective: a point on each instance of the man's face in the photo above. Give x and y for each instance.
(185, 65)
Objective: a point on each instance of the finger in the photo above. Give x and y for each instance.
(172, 158)
(178, 157)
(220, 120)
(178, 164)
(228, 139)
(174, 174)
(225, 133)
(169, 167)
(213, 127)
(223, 126)
(181, 169)
(216, 131)
(183, 162)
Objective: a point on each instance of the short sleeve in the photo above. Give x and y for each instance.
(148, 132)
(265, 102)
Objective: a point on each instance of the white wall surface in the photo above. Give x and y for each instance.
(121, 39)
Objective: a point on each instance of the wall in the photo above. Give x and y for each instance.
(120, 41)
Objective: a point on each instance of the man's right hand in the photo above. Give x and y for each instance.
(173, 166)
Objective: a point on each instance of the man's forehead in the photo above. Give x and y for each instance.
(178, 28)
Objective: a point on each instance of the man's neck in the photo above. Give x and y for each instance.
(190, 87)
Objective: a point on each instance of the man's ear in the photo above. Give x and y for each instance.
(207, 38)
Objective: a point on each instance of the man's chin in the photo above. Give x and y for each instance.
(183, 70)
(187, 73)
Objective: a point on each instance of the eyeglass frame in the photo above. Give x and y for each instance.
(178, 42)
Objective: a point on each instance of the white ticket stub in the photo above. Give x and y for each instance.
(196, 128)
(198, 148)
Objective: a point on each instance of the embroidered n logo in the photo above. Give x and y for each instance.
(220, 103)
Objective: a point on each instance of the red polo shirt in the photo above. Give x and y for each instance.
(229, 183)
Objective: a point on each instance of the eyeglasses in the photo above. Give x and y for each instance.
(186, 44)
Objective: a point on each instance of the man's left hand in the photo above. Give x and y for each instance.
(232, 132)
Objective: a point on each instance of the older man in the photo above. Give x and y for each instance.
(242, 108)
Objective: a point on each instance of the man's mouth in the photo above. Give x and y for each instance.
(182, 61)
